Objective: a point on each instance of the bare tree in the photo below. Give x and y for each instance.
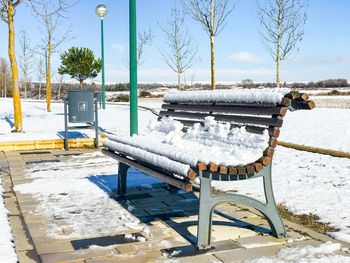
(25, 60)
(282, 27)
(40, 72)
(50, 14)
(59, 80)
(145, 38)
(5, 76)
(7, 14)
(181, 52)
(211, 14)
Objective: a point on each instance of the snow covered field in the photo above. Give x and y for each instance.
(327, 128)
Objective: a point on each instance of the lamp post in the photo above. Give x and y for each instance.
(101, 12)
(133, 69)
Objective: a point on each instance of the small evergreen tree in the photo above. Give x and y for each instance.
(80, 64)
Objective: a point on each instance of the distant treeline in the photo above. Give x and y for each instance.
(328, 83)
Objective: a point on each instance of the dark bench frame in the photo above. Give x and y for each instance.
(207, 173)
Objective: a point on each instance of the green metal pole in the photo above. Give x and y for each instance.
(103, 68)
(133, 69)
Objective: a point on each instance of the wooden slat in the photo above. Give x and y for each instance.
(242, 170)
(223, 169)
(265, 160)
(187, 186)
(269, 152)
(255, 110)
(273, 142)
(286, 102)
(191, 174)
(232, 170)
(258, 167)
(230, 118)
(304, 96)
(213, 167)
(250, 169)
(201, 166)
(293, 95)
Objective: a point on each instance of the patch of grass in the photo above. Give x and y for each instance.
(307, 220)
(333, 93)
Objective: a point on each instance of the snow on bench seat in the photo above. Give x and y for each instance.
(166, 145)
(154, 159)
(266, 95)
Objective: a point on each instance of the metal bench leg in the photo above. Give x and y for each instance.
(271, 211)
(206, 207)
(122, 178)
(207, 203)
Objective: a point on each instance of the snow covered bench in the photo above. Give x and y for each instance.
(224, 135)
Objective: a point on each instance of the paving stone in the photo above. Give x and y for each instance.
(27, 256)
(260, 241)
(206, 258)
(33, 218)
(78, 255)
(153, 256)
(54, 247)
(248, 254)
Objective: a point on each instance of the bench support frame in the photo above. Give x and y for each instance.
(208, 202)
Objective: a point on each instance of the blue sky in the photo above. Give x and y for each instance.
(324, 52)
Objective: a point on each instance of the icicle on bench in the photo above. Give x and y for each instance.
(243, 123)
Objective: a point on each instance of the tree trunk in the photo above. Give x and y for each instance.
(25, 90)
(59, 90)
(81, 84)
(212, 62)
(5, 86)
(40, 90)
(48, 76)
(278, 54)
(178, 80)
(15, 87)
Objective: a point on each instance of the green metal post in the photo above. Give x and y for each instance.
(133, 69)
(103, 67)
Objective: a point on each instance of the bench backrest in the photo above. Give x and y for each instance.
(254, 116)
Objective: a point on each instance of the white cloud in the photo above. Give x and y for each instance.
(337, 59)
(118, 46)
(246, 57)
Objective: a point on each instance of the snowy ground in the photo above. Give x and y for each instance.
(7, 250)
(41, 125)
(76, 210)
(324, 253)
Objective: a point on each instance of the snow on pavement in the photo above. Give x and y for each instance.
(7, 249)
(324, 253)
(307, 183)
(75, 194)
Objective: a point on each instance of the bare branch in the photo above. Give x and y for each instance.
(181, 52)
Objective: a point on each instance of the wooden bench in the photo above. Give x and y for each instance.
(259, 113)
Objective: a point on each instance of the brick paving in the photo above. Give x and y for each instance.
(171, 218)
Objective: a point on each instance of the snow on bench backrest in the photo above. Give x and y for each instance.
(260, 96)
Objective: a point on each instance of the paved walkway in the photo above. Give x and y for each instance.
(171, 219)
